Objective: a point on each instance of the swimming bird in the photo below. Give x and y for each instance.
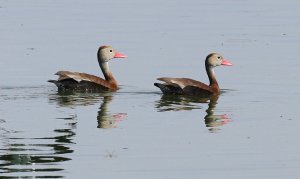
(186, 86)
(75, 81)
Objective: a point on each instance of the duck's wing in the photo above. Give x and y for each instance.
(185, 82)
(67, 77)
(183, 86)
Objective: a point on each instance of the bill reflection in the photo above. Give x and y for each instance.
(179, 103)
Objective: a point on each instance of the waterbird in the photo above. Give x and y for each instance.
(83, 82)
(187, 86)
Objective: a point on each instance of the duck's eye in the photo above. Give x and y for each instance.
(219, 57)
(110, 50)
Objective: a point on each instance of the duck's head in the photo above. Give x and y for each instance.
(106, 53)
(215, 59)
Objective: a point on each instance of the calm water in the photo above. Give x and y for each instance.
(250, 131)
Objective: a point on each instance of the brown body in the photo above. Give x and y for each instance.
(82, 82)
(186, 86)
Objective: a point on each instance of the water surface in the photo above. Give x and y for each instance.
(249, 131)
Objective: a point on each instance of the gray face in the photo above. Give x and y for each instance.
(215, 59)
(106, 53)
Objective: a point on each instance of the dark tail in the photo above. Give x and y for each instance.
(52, 81)
(159, 85)
(165, 89)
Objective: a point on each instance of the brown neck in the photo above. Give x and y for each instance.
(107, 74)
(212, 78)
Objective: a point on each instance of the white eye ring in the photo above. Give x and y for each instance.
(110, 51)
(219, 57)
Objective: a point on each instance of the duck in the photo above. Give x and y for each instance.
(83, 82)
(187, 86)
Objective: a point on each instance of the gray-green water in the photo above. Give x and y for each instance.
(250, 131)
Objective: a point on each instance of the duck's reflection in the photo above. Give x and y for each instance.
(212, 120)
(75, 99)
(178, 103)
(105, 119)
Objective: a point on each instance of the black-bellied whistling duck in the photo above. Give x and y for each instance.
(74, 81)
(192, 87)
